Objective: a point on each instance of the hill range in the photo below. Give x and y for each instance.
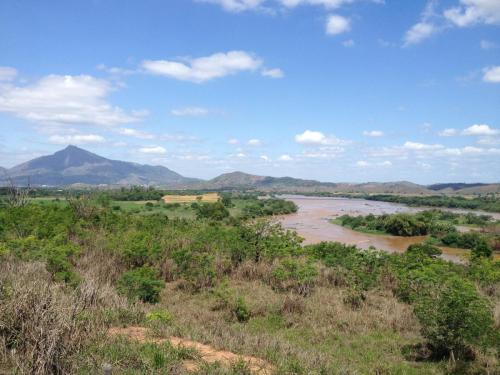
(74, 166)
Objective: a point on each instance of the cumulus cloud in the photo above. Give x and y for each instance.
(285, 157)
(449, 132)
(266, 5)
(310, 137)
(487, 45)
(7, 73)
(480, 130)
(233, 141)
(373, 133)
(156, 150)
(190, 112)
(203, 69)
(348, 43)
(254, 142)
(364, 164)
(425, 28)
(76, 139)
(265, 158)
(273, 73)
(336, 24)
(63, 100)
(471, 12)
(135, 133)
(492, 74)
(415, 146)
(419, 32)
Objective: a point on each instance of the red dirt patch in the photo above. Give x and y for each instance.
(207, 353)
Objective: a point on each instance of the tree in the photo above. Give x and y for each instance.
(142, 284)
(455, 318)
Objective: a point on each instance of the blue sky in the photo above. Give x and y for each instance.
(335, 90)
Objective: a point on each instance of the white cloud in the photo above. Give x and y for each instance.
(265, 158)
(63, 100)
(419, 32)
(76, 139)
(471, 12)
(273, 73)
(415, 146)
(318, 138)
(135, 133)
(115, 70)
(373, 133)
(236, 5)
(449, 132)
(492, 74)
(190, 111)
(364, 164)
(244, 5)
(254, 142)
(348, 43)
(487, 45)
(157, 150)
(233, 141)
(204, 69)
(336, 24)
(480, 129)
(7, 73)
(285, 157)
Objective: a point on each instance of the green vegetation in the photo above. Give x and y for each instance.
(489, 203)
(70, 270)
(439, 225)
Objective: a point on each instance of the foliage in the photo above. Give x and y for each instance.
(487, 203)
(455, 316)
(141, 284)
(212, 211)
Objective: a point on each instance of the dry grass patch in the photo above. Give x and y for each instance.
(209, 197)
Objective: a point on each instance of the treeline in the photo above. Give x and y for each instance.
(439, 225)
(93, 257)
(489, 203)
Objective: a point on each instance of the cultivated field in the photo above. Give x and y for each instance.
(209, 197)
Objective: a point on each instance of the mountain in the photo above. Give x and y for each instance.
(74, 165)
(454, 186)
(240, 180)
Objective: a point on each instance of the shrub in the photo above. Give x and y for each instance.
(159, 316)
(297, 275)
(481, 249)
(196, 267)
(141, 284)
(455, 318)
(241, 310)
(213, 211)
(424, 249)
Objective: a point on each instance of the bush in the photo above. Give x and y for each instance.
(424, 249)
(297, 275)
(455, 318)
(213, 211)
(241, 310)
(141, 284)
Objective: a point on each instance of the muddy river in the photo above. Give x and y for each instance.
(312, 223)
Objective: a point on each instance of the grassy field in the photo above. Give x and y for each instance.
(209, 197)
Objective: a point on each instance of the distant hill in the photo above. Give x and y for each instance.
(240, 180)
(454, 186)
(74, 165)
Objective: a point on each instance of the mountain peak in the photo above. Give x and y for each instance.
(73, 165)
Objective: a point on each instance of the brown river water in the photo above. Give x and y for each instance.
(312, 223)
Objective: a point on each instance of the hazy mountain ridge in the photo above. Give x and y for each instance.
(75, 166)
